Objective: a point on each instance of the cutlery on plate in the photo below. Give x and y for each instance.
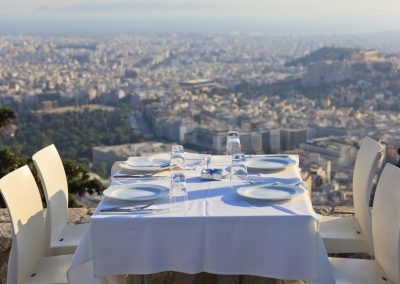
(278, 156)
(131, 210)
(146, 176)
(274, 183)
(268, 156)
(131, 207)
(162, 165)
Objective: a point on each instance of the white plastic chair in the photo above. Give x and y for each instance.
(353, 234)
(386, 239)
(62, 238)
(27, 262)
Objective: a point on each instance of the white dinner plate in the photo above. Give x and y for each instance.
(269, 163)
(270, 192)
(144, 165)
(136, 192)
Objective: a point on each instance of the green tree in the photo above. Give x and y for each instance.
(79, 180)
(102, 170)
(74, 133)
(78, 177)
(6, 115)
(8, 160)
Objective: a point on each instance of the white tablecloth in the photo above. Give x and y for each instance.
(220, 233)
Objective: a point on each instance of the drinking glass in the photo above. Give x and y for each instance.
(177, 160)
(178, 195)
(238, 168)
(207, 161)
(233, 143)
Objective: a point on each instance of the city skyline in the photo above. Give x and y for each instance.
(221, 16)
(313, 95)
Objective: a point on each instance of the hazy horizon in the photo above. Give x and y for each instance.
(219, 16)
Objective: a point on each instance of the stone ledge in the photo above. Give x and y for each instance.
(343, 210)
(4, 217)
(323, 210)
(79, 215)
(5, 236)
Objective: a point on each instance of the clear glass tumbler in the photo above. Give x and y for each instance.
(239, 168)
(233, 143)
(177, 159)
(178, 192)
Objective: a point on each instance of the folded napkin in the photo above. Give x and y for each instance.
(139, 165)
(147, 162)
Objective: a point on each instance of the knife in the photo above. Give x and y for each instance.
(136, 207)
(268, 156)
(130, 210)
(149, 176)
(163, 165)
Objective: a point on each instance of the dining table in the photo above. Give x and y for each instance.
(219, 232)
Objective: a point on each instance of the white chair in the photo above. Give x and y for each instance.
(386, 239)
(62, 238)
(27, 262)
(353, 234)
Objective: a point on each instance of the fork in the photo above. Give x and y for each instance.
(275, 183)
(128, 208)
(163, 165)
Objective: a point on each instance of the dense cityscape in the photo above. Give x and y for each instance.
(315, 96)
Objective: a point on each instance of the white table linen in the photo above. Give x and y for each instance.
(220, 233)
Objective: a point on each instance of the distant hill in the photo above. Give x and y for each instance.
(325, 54)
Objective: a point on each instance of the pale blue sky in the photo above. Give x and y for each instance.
(270, 16)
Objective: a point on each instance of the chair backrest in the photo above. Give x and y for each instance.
(366, 166)
(21, 194)
(385, 222)
(55, 186)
